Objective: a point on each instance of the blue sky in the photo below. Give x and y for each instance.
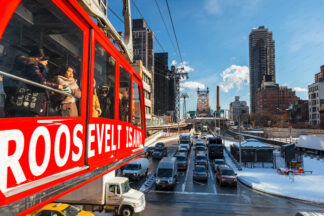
(213, 38)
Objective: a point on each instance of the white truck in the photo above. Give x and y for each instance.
(109, 194)
(311, 143)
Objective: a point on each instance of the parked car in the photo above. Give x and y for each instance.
(182, 160)
(159, 154)
(184, 150)
(218, 162)
(200, 173)
(201, 159)
(225, 175)
(200, 150)
(60, 209)
(166, 173)
(136, 169)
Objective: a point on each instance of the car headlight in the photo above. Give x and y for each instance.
(158, 181)
(135, 174)
(170, 181)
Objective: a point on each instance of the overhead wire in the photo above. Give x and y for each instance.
(165, 26)
(174, 32)
(148, 26)
(118, 17)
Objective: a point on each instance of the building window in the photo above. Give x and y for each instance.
(137, 114)
(124, 95)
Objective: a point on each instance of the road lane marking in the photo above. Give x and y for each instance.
(212, 176)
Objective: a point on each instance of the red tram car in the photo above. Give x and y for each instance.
(71, 106)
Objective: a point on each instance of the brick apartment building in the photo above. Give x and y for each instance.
(275, 99)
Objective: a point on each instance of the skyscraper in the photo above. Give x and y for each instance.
(262, 61)
(143, 47)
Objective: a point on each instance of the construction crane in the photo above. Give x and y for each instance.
(178, 74)
(184, 96)
(98, 10)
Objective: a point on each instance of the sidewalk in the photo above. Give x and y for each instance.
(308, 187)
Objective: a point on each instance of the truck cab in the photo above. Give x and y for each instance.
(126, 200)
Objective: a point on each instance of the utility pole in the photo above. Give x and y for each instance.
(240, 147)
(184, 96)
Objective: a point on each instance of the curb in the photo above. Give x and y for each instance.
(277, 195)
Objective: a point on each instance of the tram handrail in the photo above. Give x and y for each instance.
(34, 83)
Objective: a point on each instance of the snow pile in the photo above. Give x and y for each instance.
(309, 187)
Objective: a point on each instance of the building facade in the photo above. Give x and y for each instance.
(164, 86)
(147, 86)
(316, 100)
(298, 112)
(262, 60)
(143, 47)
(236, 108)
(275, 99)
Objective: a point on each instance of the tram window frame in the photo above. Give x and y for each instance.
(124, 90)
(49, 46)
(136, 86)
(111, 89)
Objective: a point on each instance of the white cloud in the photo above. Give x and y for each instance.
(186, 67)
(234, 76)
(192, 85)
(299, 89)
(174, 62)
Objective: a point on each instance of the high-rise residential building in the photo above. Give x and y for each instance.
(316, 100)
(164, 85)
(262, 61)
(236, 108)
(143, 47)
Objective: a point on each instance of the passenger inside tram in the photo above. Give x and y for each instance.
(67, 80)
(96, 110)
(23, 66)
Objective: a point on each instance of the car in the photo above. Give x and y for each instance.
(60, 209)
(214, 140)
(184, 145)
(182, 160)
(160, 145)
(218, 162)
(225, 175)
(200, 143)
(200, 150)
(183, 150)
(201, 159)
(200, 173)
(196, 136)
(148, 151)
(216, 151)
(158, 154)
(185, 138)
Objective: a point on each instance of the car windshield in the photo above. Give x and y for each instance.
(201, 158)
(200, 169)
(228, 172)
(125, 187)
(164, 172)
(132, 167)
(71, 211)
(183, 150)
(200, 148)
(180, 158)
(219, 162)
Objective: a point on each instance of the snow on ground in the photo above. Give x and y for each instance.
(309, 187)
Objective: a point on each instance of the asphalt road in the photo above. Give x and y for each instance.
(199, 198)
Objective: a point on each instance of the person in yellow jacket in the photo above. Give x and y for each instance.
(96, 110)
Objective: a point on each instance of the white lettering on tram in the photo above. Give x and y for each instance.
(63, 129)
(11, 161)
(34, 168)
(40, 152)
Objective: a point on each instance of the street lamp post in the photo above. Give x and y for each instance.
(240, 148)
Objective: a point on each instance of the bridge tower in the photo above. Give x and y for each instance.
(203, 108)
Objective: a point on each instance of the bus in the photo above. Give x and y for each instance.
(71, 105)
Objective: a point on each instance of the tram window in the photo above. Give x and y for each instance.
(104, 87)
(124, 95)
(136, 114)
(38, 44)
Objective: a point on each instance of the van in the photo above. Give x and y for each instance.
(166, 173)
(136, 169)
(185, 138)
